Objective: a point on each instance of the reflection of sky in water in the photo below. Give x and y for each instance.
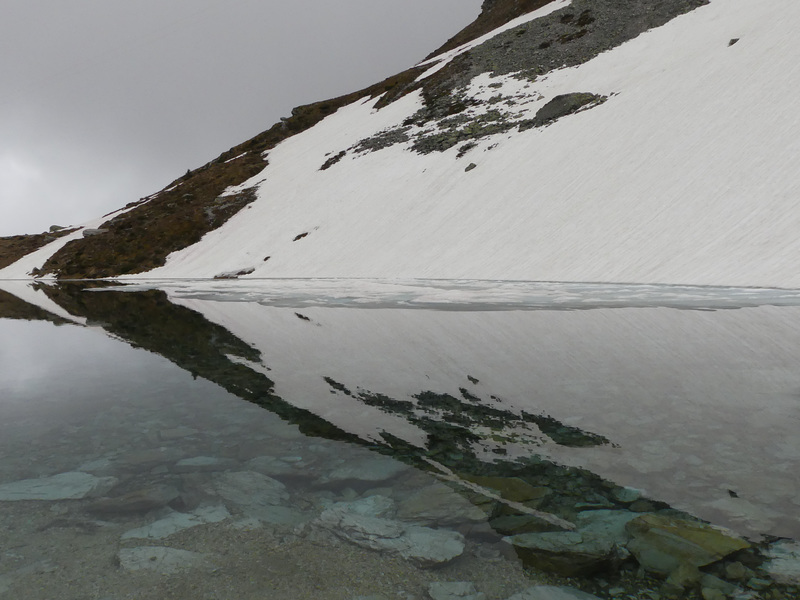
(49, 372)
(698, 403)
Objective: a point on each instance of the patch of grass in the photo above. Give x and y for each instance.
(14, 247)
(189, 207)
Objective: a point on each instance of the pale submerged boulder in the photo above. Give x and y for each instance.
(551, 592)
(73, 485)
(357, 523)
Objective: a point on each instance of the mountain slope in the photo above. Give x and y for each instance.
(664, 156)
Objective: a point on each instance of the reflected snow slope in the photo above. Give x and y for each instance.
(559, 432)
(697, 403)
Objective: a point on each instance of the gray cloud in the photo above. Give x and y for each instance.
(106, 101)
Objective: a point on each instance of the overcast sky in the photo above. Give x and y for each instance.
(105, 101)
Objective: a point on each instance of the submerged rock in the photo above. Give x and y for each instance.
(270, 465)
(138, 501)
(598, 544)
(439, 504)
(516, 524)
(568, 553)
(610, 524)
(551, 592)
(248, 488)
(258, 496)
(72, 485)
(454, 590)
(372, 469)
(177, 521)
(663, 543)
(356, 522)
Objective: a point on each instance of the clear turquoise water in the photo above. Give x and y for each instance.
(690, 408)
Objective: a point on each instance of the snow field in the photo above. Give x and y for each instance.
(685, 175)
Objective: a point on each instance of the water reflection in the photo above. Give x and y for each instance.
(535, 419)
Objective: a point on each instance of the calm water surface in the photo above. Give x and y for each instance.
(325, 442)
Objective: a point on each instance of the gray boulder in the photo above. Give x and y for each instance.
(598, 544)
(663, 543)
(371, 469)
(176, 521)
(454, 590)
(568, 553)
(138, 501)
(357, 523)
(551, 592)
(438, 504)
(259, 496)
(72, 485)
(248, 488)
(93, 232)
(561, 106)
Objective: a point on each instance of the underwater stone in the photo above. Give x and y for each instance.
(372, 469)
(138, 501)
(259, 497)
(72, 485)
(551, 592)
(712, 594)
(249, 488)
(569, 553)
(269, 465)
(424, 546)
(662, 543)
(439, 504)
(454, 590)
(515, 524)
(177, 521)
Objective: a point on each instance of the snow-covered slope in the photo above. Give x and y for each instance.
(685, 174)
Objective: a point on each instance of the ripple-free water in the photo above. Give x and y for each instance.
(212, 447)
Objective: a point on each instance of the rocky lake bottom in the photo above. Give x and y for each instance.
(139, 458)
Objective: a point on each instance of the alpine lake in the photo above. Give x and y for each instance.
(398, 440)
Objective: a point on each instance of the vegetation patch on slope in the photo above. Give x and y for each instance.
(14, 247)
(141, 238)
